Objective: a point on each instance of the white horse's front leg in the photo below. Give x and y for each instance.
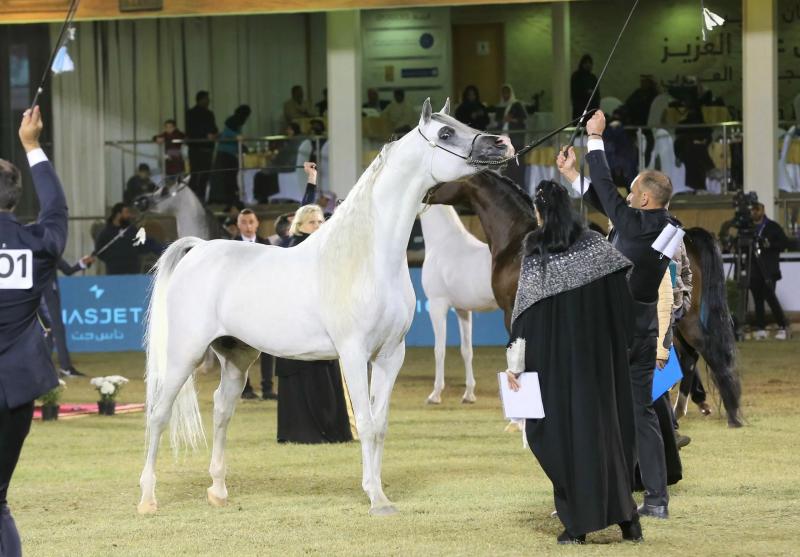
(465, 328)
(385, 369)
(354, 366)
(438, 315)
(234, 374)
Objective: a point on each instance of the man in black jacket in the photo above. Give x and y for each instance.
(247, 222)
(201, 130)
(115, 244)
(770, 241)
(28, 257)
(637, 221)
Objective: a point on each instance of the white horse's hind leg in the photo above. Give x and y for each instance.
(438, 315)
(465, 328)
(354, 364)
(157, 421)
(385, 369)
(235, 359)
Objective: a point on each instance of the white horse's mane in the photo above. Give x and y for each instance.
(347, 246)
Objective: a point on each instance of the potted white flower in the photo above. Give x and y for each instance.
(108, 387)
(50, 400)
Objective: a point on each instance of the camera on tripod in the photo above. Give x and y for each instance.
(743, 204)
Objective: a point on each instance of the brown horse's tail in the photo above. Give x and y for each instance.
(719, 343)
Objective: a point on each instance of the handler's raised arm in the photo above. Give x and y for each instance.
(52, 202)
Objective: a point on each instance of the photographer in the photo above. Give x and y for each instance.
(770, 241)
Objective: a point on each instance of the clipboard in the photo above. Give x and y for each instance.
(664, 379)
(525, 403)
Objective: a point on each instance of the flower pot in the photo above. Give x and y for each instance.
(50, 412)
(106, 407)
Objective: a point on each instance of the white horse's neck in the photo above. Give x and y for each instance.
(440, 222)
(190, 216)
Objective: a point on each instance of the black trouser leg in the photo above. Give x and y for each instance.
(774, 305)
(200, 164)
(649, 444)
(267, 372)
(14, 427)
(757, 287)
(53, 300)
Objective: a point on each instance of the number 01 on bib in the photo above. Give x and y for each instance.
(16, 269)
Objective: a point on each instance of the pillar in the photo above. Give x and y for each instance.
(760, 99)
(344, 99)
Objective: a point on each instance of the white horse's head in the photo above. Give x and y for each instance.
(458, 149)
(163, 200)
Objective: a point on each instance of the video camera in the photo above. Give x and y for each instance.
(742, 205)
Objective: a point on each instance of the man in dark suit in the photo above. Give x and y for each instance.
(50, 315)
(637, 221)
(247, 222)
(201, 130)
(115, 243)
(28, 257)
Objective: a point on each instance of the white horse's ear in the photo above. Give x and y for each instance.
(427, 111)
(446, 108)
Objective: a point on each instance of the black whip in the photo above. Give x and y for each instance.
(62, 38)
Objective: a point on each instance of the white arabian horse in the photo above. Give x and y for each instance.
(178, 200)
(457, 273)
(344, 293)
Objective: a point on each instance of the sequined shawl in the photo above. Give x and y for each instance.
(588, 259)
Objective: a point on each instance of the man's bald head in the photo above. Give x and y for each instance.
(650, 190)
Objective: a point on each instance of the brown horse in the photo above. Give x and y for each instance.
(507, 215)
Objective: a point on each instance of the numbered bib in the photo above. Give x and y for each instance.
(16, 269)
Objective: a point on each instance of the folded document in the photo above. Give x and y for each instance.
(524, 403)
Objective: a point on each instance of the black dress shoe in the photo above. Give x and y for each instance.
(72, 372)
(682, 440)
(249, 395)
(565, 538)
(654, 511)
(268, 395)
(632, 530)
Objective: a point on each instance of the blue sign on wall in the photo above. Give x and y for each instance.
(106, 314)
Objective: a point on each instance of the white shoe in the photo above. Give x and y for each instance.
(781, 334)
(760, 334)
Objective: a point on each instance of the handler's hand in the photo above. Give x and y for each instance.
(513, 382)
(310, 169)
(30, 129)
(597, 123)
(567, 165)
(661, 364)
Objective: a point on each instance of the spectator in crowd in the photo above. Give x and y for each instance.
(581, 86)
(402, 117)
(138, 184)
(374, 102)
(765, 271)
(115, 247)
(512, 117)
(201, 129)
(621, 150)
(50, 314)
(297, 106)
(638, 104)
(230, 228)
(322, 106)
(691, 144)
(247, 224)
(224, 184)
(311, 400)
(472, 111)
(282, 238)
(172, 139)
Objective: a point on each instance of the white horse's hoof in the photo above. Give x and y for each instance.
(434, 399)
(386, 510)
(215, 501)
(468, 398)
(147, 507)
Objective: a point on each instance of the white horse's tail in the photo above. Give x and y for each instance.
(186, 425)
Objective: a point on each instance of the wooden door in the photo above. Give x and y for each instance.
(479, 59)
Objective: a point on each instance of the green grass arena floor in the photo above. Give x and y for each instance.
(462, 485)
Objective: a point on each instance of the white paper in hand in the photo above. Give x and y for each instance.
(524, 403)
(141, 237)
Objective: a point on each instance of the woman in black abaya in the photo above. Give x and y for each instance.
(311, 399)
(573, 309)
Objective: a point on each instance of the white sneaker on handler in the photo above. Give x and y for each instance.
(781, 334)
(760, 334)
